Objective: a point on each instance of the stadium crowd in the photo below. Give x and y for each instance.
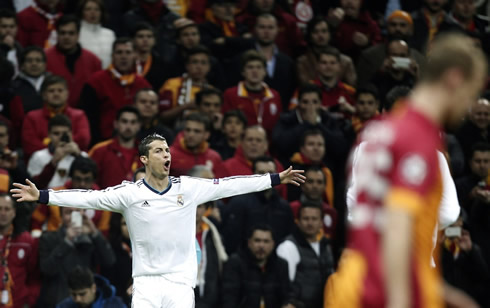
(236, 87)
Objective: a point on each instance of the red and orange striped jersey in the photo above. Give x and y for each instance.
(398, 169)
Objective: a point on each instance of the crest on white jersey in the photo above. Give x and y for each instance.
(180, 200)
(413, 169)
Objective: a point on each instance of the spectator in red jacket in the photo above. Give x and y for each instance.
(290, 39)
(117, 158)
(35, 127)
(20, 268)
(191, 148)
(355, 30)
(260, 104)
(37, 23)
(69, 60)
(110, 89)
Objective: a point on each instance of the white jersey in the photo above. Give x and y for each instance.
(162, 225)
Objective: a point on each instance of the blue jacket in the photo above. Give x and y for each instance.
(106, 296)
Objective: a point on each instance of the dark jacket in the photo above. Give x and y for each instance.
(312, 271)
(469, 134)
(244, 283)
(31, 99)
(105, 296)
(233, 45)
(156, 76)
(120, 273)
(248, 210)
(57, 257)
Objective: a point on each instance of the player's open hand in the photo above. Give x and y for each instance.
(27, 192)
(290, 176)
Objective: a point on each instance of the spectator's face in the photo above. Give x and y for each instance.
(398, 49)
(92, 12)
(261, 244)
(464, 9)
(435, 6)
(210, 105)
(56, 95)
(82, 180)
(198, 66)
(264, 6)
(266, 30)
(254, 72)
(233, 128)
(480, 163)
(480, 115)
(8, 27)
(189, 37)
(201, 209)
(124, 228)
(224, 11)
(34, 64)
(7, 211)
(4, 138)
(144, 40)
(147, 104)
(351, 7)
(314, 148)
(127, 126)
(194, 134)
(308, 101)
(314, 186)
(254, 143)
(66, 214)
(265, 167)
(68, 36)
(56, 132)
(123, 57)
(310, 221)
(366, 106)
(399, 28)
(320, 36)
(328, 66)
(84, 297)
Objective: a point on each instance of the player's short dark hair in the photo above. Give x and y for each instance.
(208, 91)
(237, 113)
(262, 159)
(260, 227)
(121, 41)
(140, 26)
(144, 146)
(479, 147)
(130, 109)
(9, 14)
(199, 49)
(330, 51)
(80, 278)
(310, 132)
(200, 118)
(84, 165)
(51, 80)
(135, 98)
(368, 89)
(309, 205)
(252, 55)
(59, 120)
(22, 56)
(309, 88)
(396, 93)
(68, 19)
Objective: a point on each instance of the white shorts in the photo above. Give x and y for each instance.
(158, 292)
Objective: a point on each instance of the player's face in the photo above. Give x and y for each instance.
(84, 297)
(233, 128)
(159, 159)
(7, 211)
(314, 148)
(194, 134)
(254, 143)
(34, 64)
(56, 95)
(366, 106)
(310, 221)
(261, 244)
(314, 186)
(480, 163)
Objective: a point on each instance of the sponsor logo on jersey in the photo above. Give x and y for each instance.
(145, 204)
(180, 200)
(216, 181)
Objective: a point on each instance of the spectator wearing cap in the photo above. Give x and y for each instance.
(158, 15)
(318, 36)
(149, 64)
(93, 36)
(37, 23)
(353, 28)
(399, 26)
(69, 60)
(188, 37)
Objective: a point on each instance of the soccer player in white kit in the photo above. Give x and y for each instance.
(160, 213)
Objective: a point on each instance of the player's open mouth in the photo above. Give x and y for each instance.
(167, 164)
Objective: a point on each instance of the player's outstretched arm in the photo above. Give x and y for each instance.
(27, 192)
(290, 176)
